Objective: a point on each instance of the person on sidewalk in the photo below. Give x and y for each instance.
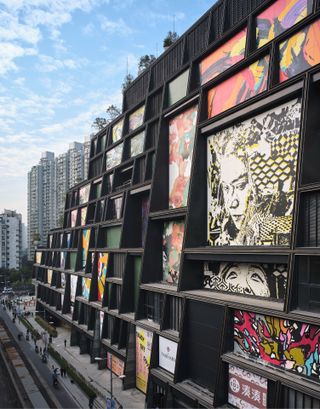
(91, 401)
(65, 343)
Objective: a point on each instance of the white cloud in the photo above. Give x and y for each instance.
(50, 64)
(9, 52)
(115, 26)
(12, 29)
(88, 29)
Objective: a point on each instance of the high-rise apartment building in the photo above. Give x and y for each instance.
(48, 183)
(10, 239)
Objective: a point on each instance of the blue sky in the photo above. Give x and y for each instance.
(62, 62)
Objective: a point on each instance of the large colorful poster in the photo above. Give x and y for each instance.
(73, 287)
(258, 279)
(38, 257)
(84, 194)
(173, 233)
(63, 256)
(289, 345)
(247, 390)
(300, 52)
(83, 214)
(182, 130)
(114, 156)
(242, 86)
(86, 284)
(117, 131)
(143, 354)
(136, 119)
(167, 354)
(137, 144)
(251, 179)
(49, 276)
(102, 273)
(85, 246)
(279, 17)
(74, 214)
(117, 364)
(231, 52)
(101, 317)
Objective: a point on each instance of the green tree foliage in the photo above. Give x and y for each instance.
(112, 112)
(171, 38)
(145, 62)
(128, 79)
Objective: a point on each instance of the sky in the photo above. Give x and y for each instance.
(62, 63)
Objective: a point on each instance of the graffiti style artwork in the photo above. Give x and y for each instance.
(173, 233)
(137, 144)
(224, 57)
(114, 156)
(261, 280)
(144, 217)
(102, 274)
(280, 16)
(251, 179)
(181, 140)
(86, 284)
(74, 214)
(143, 355)
(84, 194)
(300, 52)
(83, 217)
(242, 86)
(247, 390)
(85, 246)
(117, 131)
(289, 345)
(136, 119)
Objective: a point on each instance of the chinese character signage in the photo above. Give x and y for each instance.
(117, 364)
(246, 390)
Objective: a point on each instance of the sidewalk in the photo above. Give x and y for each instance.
(100, 379)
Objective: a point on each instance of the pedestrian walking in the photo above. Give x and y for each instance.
(40, 350)
(61, 371)
(91, 401)
(65, 343)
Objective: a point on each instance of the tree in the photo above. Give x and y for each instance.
(99, 123)
(128, 79)
(112, 112)
(145, 62)
(171, 38)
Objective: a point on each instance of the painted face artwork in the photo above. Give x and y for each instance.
(171, 253)
(117, 131)
(261, 280)
(279, 17)
(289, 345)
(136, 119)
(300, 52)
(242, 86)
(182, 130)
(223, 58)
(251, 179)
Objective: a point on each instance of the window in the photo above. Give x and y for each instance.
(291, 398)
(175, 312)
(153, 307)
(308, 283)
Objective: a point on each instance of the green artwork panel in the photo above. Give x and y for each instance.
(177, 88)
(73, 260)
(113, 237)
(137, 274)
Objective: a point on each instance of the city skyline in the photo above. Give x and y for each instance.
(53, 59)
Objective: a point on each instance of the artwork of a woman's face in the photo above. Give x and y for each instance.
(248, 277)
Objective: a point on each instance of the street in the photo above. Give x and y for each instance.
(63, 398)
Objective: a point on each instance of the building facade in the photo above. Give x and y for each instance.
(11, 239)
(48, 183)
(191, 252)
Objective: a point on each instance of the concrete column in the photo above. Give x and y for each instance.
(83, 344)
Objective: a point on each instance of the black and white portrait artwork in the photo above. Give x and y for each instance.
(266, 280)
(251, 179)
